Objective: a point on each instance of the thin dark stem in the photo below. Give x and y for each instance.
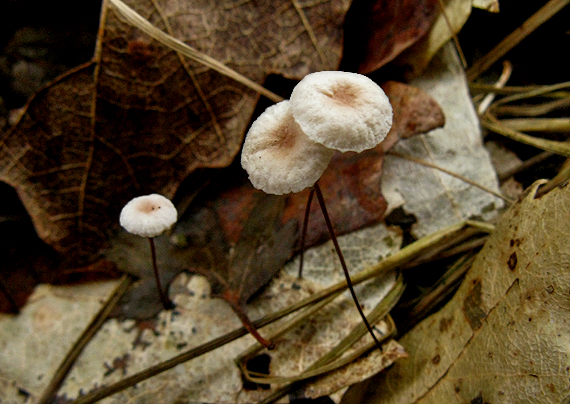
(13, 305)
(321, 200)
(165, 302)
(248, 324)
(304, 232)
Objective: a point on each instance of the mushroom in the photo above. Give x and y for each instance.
(149, 216)
(278, 156)
(341, 110)
(289, 146)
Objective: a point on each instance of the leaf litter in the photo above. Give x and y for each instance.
(127, 358)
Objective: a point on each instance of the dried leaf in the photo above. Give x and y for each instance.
(380, 30)
(139, 119)
(503, 338)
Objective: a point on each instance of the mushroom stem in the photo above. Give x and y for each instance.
(11, 302)
(233, 300)
(321, 200)
(304, 232)
(165, 302)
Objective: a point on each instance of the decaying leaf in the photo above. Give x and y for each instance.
(380, 30)
(139, 119)
(503, 338)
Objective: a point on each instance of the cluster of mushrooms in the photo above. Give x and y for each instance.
(288, 148)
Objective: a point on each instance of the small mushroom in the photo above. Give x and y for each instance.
(278, 156)
(341, 110)
(290, 145)
(149, 216)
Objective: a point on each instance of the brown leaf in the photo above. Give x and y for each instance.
(378, 31)
(139, 119)
(504, 335)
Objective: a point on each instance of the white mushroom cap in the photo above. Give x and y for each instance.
(148, 215)
(278, 156)
(341, 110)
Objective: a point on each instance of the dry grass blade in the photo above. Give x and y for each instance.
(532, 110)
(488, 100)
(552, 125)
(135, 19)
(492, 123)
(553, 90)
(453, 35)
(536, 20)
(322, 362)
(561, 178)
(446, 285)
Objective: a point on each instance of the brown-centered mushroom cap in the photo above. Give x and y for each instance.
(148, 215)
(278, 156)
(341, 110)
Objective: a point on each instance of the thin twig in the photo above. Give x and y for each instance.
(525, 165)
(309, 30)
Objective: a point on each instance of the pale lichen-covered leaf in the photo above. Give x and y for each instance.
(36, 341)
(503, 338)
(437, 199)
